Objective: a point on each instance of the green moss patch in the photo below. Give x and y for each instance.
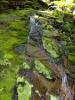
(50, 47)
(13, 33)
(42, 69)
(24, 92)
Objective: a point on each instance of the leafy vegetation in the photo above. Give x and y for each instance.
(13, 32)
(49, 47)
(42, 69)
(24, 92)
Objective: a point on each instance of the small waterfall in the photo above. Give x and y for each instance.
(35, 33)
(31, 26)
(66, 89)
(64, 82)
(32, 23)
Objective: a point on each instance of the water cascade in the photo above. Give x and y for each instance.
(66, 88)
(36, 50)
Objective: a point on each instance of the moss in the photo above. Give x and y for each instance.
(24, 92)
(47, 14)
(8, 75)
(6, 96)
(25, 65)
(71, 47)
(11, 36)
(42, 69)
(17, 25)
(69, 26)
(71, 58)
(20, 79)
(53, 97)
(7, 84)
(7, 42)
(46, 1)
(63, 3)
(50, 47)
(58, 15)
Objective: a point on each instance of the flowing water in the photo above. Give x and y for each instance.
(35, 34)
(66, 88)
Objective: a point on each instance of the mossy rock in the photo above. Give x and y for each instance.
(72, 58)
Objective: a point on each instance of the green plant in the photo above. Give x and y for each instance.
(24, 92)
(42, 69)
